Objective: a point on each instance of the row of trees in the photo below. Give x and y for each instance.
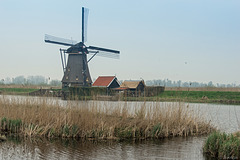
(169, 83)
(41, 80)
(31, 80)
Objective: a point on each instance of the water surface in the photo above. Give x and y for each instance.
(224, 117)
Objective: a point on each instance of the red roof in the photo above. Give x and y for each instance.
(103, 81)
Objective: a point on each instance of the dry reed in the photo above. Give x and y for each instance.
(89, 121)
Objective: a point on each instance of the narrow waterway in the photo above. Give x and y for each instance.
(224, 117)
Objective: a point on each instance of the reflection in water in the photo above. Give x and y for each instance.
(175, 148)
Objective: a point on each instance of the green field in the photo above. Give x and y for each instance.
(17, 91)
(224, 97)
(199, 95)
(194, 96)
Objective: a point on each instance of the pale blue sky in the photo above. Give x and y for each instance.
(188, 40)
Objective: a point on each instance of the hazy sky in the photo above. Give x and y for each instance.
(188, 40)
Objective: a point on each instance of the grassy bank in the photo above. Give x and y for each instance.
(17, 91)
(28, 118)
(203, 96)
(194, 97)
(220, 89)
(222, 146)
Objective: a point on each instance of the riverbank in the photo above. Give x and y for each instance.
(191, 95)
(17, 91)
(221, 97)
(42, 119)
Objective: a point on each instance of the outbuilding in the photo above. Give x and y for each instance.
(132, 88)
(107, 82)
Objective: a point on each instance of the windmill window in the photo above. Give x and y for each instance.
(66, 77)
(68, 69)
(76, 78)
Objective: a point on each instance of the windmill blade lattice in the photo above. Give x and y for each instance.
(105, 54)
(103, 49)
(57, 40)
(85, 12)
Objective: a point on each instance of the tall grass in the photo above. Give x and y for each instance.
(222, 145)
(89, 121)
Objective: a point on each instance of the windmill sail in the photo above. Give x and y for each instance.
(85, 12)
(104, 52)
(104, 49)
(57, 40)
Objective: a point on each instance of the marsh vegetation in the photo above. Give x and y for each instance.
(222, 145)
(41, 118)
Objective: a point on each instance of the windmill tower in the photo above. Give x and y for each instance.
(76, 71)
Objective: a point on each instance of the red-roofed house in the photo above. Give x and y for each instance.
(106, 81)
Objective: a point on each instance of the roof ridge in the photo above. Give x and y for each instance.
(104, 81)
(106, 76)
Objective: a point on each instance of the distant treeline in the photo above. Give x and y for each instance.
(41, 80)
(169, 83)
(31, 80)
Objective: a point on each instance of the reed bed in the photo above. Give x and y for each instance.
(93, 121)
(222, 146)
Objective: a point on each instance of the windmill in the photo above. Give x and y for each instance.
(76, 71)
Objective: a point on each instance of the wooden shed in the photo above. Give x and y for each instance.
(133, 88)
